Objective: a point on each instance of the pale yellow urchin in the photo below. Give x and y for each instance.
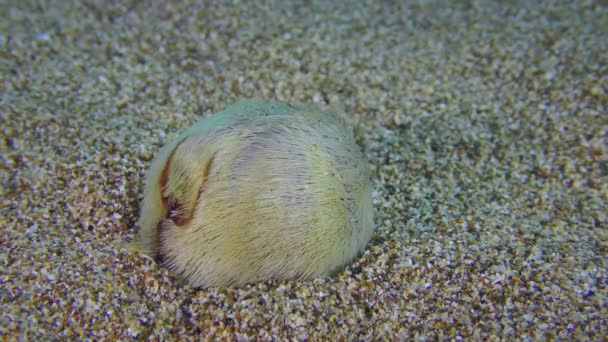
(261, 190)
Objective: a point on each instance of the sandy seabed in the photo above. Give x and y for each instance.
(484, 122)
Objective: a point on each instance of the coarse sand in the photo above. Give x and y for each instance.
(484, 122)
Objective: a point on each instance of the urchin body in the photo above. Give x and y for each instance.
(261, 190)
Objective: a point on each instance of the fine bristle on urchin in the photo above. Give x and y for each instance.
(261, 190)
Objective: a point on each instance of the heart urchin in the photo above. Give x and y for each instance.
(261, 190)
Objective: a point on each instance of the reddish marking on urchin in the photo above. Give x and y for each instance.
(176, 211)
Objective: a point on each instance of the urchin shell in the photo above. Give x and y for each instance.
(261, 190)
